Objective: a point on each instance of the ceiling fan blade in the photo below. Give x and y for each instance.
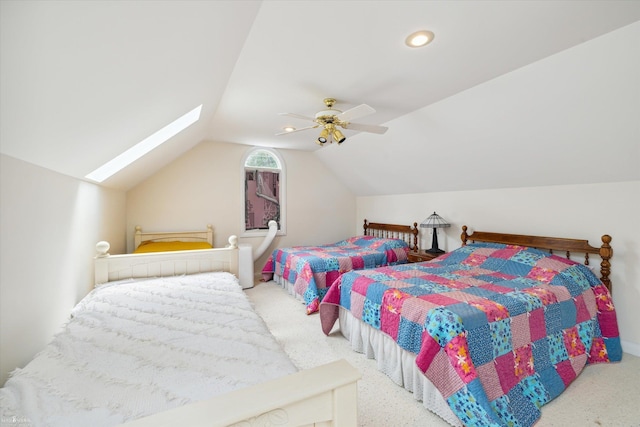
(355, 113)
(297, 130)
(367, 128)
(297, 116)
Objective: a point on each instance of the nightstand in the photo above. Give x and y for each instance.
(420, 256)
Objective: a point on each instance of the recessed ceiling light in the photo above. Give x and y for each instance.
(419, 38)
(288, 129)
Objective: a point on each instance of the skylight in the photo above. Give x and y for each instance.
(144, 146)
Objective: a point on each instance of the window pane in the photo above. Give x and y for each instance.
(264, 176)
(262, 159)
(262, 199)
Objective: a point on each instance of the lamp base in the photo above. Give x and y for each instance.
(434, 251)
(434, 244)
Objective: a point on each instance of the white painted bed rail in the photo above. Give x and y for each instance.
(323, 396)
(109, 268)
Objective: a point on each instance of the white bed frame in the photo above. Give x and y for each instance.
(109, 268)
(187, 262)
(323, 396)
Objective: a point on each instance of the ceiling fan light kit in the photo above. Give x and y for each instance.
(324, 134)
(338, 136)
(330, 118)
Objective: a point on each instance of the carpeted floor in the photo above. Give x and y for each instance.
(603, 395)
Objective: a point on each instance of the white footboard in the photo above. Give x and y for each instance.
(110, 268)
(323, 396)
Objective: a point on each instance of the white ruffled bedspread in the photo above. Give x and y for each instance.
(134, 348)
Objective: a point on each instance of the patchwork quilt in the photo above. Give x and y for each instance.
(312, 269)
(500, 330)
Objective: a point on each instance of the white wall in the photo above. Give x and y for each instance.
(571, 211)
(49, 225)
(204, 186)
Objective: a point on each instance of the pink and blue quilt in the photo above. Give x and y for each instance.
(500, 330)
(312, 269)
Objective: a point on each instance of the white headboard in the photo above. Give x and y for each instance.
(172, 236)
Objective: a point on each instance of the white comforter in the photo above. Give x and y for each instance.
(140, 347)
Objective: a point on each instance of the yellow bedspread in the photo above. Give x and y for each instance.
(170, 246)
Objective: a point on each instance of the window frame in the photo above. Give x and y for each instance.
(282, 229)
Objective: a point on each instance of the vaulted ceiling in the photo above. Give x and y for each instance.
(81, 82)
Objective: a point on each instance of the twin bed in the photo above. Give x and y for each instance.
(170, 338)
(484, 335)
(308, 271)
(164, 254)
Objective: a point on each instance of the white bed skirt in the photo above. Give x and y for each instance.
(288, 286)
(396, 363)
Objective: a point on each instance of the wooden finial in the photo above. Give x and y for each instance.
(606, 252)
(464, 236)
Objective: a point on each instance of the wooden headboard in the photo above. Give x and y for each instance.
(551, 244)
(169, 236)
(408, 233)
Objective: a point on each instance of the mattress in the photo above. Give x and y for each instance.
(134, 348)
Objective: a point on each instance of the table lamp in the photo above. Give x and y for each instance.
(434, 221)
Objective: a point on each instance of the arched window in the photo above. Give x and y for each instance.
(264, 191)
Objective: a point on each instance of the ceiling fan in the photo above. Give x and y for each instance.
(330, 119)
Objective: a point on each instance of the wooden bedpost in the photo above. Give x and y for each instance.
(365, 226)
(415, 237)
(464, 236)
(606, 252)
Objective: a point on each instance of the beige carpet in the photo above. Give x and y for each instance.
(603, 395)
